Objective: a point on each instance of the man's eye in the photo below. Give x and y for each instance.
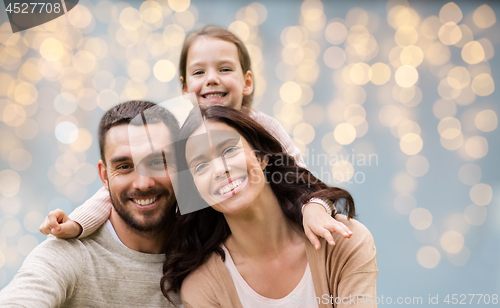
(123, 167)
(229, 151)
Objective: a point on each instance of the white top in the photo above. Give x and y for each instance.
(302, 296)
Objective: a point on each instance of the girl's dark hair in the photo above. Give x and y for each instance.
(221, 34)
(195, 236)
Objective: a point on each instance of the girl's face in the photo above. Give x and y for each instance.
(214, 74)
(234, 179)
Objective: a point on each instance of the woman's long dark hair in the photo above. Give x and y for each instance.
(195, 236)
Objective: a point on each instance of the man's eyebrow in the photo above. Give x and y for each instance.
(119, 159)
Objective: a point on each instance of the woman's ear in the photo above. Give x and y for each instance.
(263, 161)
(248, 86)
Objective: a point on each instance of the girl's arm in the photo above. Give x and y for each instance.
(84, 220)
(316, 221)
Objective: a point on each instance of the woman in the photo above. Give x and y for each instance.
(255, 254)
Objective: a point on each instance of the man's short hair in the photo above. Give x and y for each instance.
(125, 113)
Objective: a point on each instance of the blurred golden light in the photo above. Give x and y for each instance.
(314, 114)
(452, 144)
(458, 77)
(294, 37)
(450, 33)
(25, 93)
(406, 76)
(241, 29)
(255, 53)
(467, 36)
(400, 15)
(164, 70)
(84, 62)
(20, 159)
(411, 144)
(486, 120)
(473, 52)
(291, 113)
(290, 92)
(26, 244)
(411, 55)
(303, 133)
(466, 97)
(308, 73)
(79, 16)
(460, 258)
(29, 71)
(329, 144)
(342, 171)
(470, 174)
(10, 182)
(28, 130)
(179, 5)
(150, 11)
(475, 214)
(481, 194)
(405, 127)
(476, 147)
(65, 103)
(449, 128)
(406, 36)
(334, 57)
(173, 35)
(417, 165)
(336, 32)
(452, 241)
(420, 218)
(428, 257)
(85, 173)
(361, 129)
(458, 223)
(488, 48)
(359, 73)
(51, 49)
(139, 70)
(404, 203)
(403, 183)
(379, 73)
(344, 133)
(484, 16)
(261, 11)
(394, 56)
(430, 27)
(483, 85)
(389, 115)
(307, 94)
(357, 16)
(447, 91)
(14, 115)
(450, 12)
(437, 53)
(292, 56)
(83, 142)
(314, 19)
(130, 19)
(106, 99)
(355, 95)
(355, 114)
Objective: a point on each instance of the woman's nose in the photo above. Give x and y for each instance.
(220, 167)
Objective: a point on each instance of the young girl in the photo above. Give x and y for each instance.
(257, 255)
(215, 65)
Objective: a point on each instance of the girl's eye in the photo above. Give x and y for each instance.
(225, 69)
(197, 73)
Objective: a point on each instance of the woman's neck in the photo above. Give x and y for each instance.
(262, 231)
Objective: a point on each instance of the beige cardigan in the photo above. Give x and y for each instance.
(345, 271)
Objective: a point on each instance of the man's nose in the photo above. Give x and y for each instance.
(144, 182)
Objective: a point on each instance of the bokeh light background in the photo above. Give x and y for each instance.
(394, 101)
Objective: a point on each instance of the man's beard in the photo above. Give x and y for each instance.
(153, 223)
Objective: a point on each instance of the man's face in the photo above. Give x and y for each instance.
(141, 197)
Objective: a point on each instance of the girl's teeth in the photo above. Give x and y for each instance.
(229, 187)
(214, 95)
(145, 201)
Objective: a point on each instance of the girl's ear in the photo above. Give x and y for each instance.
(184, 86)
(248, 86)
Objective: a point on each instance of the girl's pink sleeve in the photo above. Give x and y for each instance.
(93, 213)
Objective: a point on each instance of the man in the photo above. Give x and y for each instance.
(119, 265)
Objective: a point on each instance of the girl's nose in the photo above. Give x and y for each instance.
(212, 78)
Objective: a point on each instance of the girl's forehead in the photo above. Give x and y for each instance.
(212, 47)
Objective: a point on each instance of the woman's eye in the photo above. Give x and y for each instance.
(200, 167)
(157, 163)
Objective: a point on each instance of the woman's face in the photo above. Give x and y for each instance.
(224, 167)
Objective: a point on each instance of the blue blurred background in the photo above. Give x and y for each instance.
(391, 100)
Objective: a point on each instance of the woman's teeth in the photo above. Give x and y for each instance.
(145, 201)
(229, 187)
(212, 95)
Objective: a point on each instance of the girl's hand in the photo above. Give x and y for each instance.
(60, 225)
(318, 223)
